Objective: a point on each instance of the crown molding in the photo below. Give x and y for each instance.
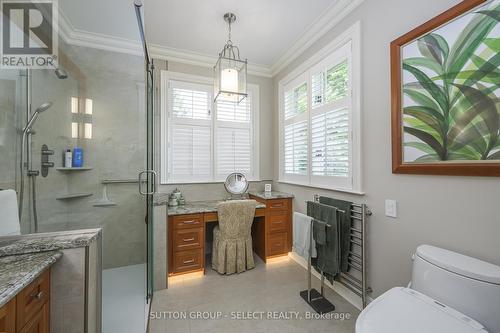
(333, 15)
(198, 59)
(73, 36)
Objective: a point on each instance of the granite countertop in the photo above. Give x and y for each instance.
(197, 207)
(32, 243)
(271, 195)
(160, 199)
(17, 271)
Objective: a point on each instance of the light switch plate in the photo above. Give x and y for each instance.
(391, 208)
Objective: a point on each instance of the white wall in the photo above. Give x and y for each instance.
(458, 213)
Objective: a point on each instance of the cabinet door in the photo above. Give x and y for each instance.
(39, 323)
(8, 317)
(31, 299)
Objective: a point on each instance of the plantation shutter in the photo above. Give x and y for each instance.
(234, 138)
(190, 134)
(296, 148)
(331, 161)
(295, 133)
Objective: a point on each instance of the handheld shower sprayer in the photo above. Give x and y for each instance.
(45, 106)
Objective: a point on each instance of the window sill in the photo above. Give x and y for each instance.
(212, 182)
(344, 190)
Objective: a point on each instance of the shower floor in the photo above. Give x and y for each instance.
(123, 299)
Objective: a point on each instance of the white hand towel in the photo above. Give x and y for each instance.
(301, 236)
(9, 218)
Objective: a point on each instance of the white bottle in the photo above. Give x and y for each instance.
(68, 158)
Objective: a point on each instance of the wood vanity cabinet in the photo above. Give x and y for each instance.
(28, 312)
(186, 243)
(271, 235)
(8, 317)
(278, 227)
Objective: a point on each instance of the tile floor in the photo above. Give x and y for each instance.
(266, 288)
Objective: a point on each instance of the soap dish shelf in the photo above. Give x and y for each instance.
(74, 169)
(73, 196)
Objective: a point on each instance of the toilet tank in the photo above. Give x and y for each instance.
(466, 284)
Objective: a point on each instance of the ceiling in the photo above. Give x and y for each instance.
(264, 29)
(193, 31)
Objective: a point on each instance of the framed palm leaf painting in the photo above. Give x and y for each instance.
(446, 93)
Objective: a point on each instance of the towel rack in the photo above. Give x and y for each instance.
(356, 282)
(315, 299)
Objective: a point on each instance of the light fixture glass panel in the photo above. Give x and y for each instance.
(230, 81)
(88, 130)
(88, 106)
(74, 130)
(74, 105)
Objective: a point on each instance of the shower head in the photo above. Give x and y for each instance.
(61, 73)
(138, 3)
(44, 107)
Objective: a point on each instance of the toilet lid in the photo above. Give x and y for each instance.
(406, 310)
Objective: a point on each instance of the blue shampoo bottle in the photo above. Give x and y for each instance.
(77, 157)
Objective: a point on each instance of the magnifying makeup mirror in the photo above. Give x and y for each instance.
(236, 184)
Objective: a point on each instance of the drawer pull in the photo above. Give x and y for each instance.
(188, 261)
(278, 222)
(37, 295)
(277, 205)
(190, 222)
(188, 239)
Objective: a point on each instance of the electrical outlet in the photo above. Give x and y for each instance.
(391, 209)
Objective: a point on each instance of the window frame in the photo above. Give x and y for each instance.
(166, 123)
(321, 59)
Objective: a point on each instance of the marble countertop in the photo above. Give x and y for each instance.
(17, 271)
(271, 195)
(32, 243)
(197, 207)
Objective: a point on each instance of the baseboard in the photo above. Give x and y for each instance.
(351, 297)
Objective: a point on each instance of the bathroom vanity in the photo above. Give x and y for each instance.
(187, 227)
(25, 292)
(51, 282)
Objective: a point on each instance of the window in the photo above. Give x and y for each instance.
(319, 119)
(203, 141)
(296, 128)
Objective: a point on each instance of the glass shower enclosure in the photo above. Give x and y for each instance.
(99, 100)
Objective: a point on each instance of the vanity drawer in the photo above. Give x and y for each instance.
(188, 260)
(188, 221)
(277, 204)
(277, 243)
(32, 298)
(278, 222)
(187, 239)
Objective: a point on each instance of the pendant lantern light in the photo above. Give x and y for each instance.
(230, 72)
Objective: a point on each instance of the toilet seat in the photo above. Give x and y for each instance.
(406, 310)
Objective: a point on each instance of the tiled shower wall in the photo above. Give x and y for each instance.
(115, 83)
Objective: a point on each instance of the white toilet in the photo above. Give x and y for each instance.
(449, 292)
